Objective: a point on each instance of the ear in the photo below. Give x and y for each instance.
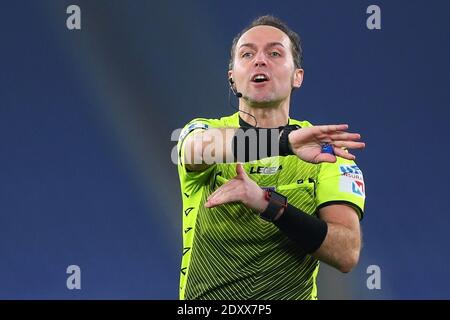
(298, 78)
(230, 74)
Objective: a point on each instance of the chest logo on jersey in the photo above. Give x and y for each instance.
(265, 170)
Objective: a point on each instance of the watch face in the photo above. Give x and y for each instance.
(277, 201)
(268, 215)
(278, 198)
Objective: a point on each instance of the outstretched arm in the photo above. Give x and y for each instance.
(204, 148)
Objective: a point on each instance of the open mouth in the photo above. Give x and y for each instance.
(260, 77)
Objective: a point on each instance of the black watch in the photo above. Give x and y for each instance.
(276, 202)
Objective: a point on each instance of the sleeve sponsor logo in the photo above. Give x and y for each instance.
(190, 128)
(350, 169)
(351, 180)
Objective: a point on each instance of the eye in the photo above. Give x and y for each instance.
(246, 55)
(275, 54)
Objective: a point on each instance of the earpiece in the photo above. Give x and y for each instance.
(237, 94)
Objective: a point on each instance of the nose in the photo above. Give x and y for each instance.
(260, 59)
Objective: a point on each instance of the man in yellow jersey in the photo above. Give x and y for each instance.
(256, 225)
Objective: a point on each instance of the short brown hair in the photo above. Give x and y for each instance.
(268, 20)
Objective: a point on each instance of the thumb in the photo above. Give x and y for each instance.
(325, 157)
(240, 170)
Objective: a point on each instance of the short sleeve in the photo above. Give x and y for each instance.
(341, 182)
(191, 180)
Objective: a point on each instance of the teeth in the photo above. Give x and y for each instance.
(259, 77)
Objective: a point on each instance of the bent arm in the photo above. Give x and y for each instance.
(342, 243)
(333, 237)
(204, 148)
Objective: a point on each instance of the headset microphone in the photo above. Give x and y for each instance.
(237, 94)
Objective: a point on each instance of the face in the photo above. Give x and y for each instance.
(264, 69)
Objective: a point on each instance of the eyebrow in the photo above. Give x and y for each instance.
(253, 46)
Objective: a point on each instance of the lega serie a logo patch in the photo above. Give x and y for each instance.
(351, 180)
(265, 170)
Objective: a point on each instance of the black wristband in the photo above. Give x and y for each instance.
(247, 142)
(284, 139)
(252, 143)
(307, 231)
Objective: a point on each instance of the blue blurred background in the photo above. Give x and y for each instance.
(86, 118)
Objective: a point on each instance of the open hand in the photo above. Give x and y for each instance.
(307, 143)
(239, 189)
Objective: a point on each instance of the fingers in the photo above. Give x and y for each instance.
(224, 187)
(225, 195)
(332, 128)
(337, 132)
(327, 157)
(339, 135)
(341, 139)
(344, 154)
(349, 144)
(339, 148)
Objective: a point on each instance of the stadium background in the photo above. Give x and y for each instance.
(86, 119)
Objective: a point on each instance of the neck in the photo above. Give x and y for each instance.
(268, 115)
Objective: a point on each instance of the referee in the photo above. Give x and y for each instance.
(256, 224)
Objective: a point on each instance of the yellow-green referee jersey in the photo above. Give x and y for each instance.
(231, 253)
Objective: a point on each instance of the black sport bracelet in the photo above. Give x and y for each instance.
(284, 139)
(307, 231)
(246, 149)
